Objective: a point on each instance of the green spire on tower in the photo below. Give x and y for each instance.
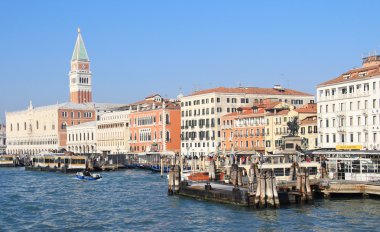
(80, 52)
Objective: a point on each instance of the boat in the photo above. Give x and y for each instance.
(57, 162)
(9, 161)
(86, 175)
(353, 165)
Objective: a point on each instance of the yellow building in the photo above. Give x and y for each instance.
(277, 127)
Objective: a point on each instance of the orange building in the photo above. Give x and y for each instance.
(244, 130)
(155, 125)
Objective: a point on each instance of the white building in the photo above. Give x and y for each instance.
(349, 107)
(38, 129)
(3, 141)
(112, 133)
(81, 139)
(202, 110)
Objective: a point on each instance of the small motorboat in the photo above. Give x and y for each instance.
(86, 175)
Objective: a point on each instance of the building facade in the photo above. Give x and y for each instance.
(244, 130)
(277, 119)
(81, 138)
(3, 139)
(40, 129)
(309, 131)
(113, 132)
(349, 108)
(201, 113)
(155, 125)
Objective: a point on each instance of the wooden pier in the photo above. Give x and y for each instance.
(263, 191)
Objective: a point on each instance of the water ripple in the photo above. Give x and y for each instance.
(134, 200)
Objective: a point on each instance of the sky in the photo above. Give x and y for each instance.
(142, 47)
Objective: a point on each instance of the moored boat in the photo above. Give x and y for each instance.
(8, 161)
(57, 162)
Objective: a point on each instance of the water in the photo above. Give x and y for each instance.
(135, 200)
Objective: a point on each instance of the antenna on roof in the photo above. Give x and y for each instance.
(239, 84)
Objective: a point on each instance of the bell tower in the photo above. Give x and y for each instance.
(80, 74)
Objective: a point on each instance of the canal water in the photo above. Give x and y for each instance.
(136, 200)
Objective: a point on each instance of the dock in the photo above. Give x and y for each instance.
(263, 191)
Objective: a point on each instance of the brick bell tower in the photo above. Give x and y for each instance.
(80, 74)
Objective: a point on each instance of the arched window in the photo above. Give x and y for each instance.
(37, 125)
(11, 127)
(63, 126)
(18, 127)
(167, 136)
(24, 125)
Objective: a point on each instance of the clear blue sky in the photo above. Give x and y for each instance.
(143, 47)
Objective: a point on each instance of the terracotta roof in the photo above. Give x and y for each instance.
(270, 105)
(372, 71)
(251, 90)
(282, 112)
(247, 112)
(153, 95)
(230, 114)
(308, 108)
(309, 120)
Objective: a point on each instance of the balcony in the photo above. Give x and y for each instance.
(341, 130)
(341, 114)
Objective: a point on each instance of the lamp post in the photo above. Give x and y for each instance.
(188, 155)
(201, 157)
(192, 161)
(181, 162)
